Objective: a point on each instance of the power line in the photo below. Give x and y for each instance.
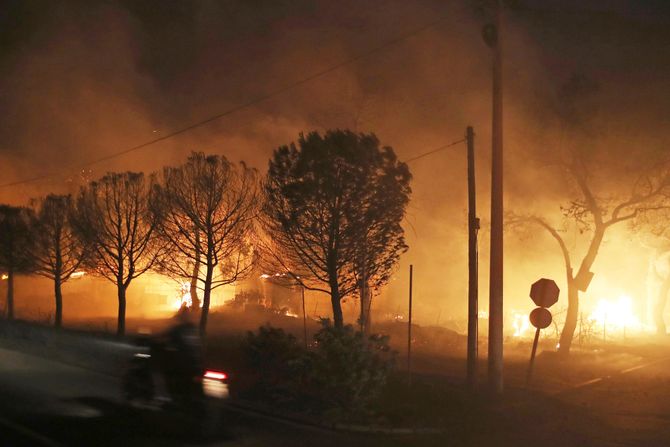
(438, 149)
(245, 105)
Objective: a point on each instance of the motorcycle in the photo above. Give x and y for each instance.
(153, 383)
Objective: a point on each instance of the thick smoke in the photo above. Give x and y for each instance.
(82, 80)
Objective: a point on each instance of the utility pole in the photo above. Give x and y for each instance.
(492, 35)
(409, 329)
(473, 274)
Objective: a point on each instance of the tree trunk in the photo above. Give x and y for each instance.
(195, 301)
(570, 319)
(121, 319)
(361, 314)
(58, 319)
(204, 313)
(659, 306)
(338, 319)
(365, 317)
(10, 295)
(573, 290)
(58, 271)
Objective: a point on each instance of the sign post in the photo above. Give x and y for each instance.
(541, 319)
(544, 294)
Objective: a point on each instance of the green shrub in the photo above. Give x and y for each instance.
(274, 355)
(348, 369)
(343, 373)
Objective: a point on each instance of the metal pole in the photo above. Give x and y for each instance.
(304, 314)
(532, 357)
(495, 358)
(473, 299)
(409, 329)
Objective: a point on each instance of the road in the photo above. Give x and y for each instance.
(43, 402)
(47, 403)
(634, 404)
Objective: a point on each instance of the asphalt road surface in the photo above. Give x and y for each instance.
(47, 403)
(634, 404)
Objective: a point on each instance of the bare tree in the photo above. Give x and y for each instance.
(596, 202)
(332, 213)
(57, 251)
(593, 217)
(15, 246)
(206, 208)
(113, 219)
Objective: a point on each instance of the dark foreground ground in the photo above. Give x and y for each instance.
(619, 397)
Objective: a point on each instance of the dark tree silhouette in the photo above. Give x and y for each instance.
(206, 209)
(113, 219)
(57, 251)
(15, 246)
(332, 212)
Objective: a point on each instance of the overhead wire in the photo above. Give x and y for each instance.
(239, 107)
(437, 149)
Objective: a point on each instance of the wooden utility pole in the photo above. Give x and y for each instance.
(495, 357)
(409, 330)
(473, 276)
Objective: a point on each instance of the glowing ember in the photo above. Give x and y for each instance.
(4, 277)
(276, 275)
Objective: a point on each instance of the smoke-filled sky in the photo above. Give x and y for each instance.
(81, 80)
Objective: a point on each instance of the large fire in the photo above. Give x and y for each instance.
(184, 297)
(616, 315)
(520, 323)
(613, 317)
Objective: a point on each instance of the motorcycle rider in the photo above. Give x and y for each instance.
(180, 359)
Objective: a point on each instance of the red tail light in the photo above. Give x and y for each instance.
(218, 375)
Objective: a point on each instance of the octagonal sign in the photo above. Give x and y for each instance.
(544, 292)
